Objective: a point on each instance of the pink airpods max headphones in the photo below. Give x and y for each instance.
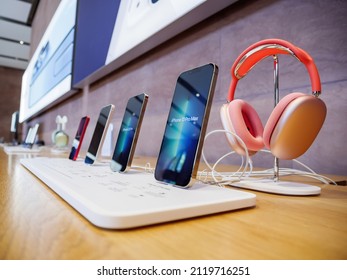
(295, 121)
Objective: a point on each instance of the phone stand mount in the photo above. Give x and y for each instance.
(275, 185)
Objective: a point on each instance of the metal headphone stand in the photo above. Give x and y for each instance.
(276, 100)
(274, 185)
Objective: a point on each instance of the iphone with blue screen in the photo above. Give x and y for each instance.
(185, 129)
(128, 133)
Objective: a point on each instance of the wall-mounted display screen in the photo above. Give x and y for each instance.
(140, 19)
(115, 32)
(88, 39)
(49, 73)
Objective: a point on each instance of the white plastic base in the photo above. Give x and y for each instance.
(127, 200)
(10, 150)
(280, 187)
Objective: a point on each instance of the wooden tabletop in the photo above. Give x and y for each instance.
(35, 223)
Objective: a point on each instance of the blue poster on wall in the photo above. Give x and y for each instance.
(95, 23)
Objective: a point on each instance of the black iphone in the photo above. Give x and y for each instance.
(99, 134)
(77, 142)
(128, 133)
(184, 134)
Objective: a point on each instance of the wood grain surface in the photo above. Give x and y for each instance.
(35, 223)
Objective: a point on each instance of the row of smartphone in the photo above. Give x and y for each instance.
(183, 136)
(127, 137)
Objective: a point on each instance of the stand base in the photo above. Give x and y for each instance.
(280, 187)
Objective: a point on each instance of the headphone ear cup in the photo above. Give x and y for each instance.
(241, 118)
(293, 125)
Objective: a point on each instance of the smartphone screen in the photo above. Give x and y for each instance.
(186, 125)
(128, 133)
(27, 137)
(99, 134)
(77, 142)
(31, 136)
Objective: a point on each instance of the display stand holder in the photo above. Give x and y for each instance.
(274, 185)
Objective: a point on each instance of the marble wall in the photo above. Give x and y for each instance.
(319, 27)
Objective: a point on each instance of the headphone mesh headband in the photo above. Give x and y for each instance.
(255, 50)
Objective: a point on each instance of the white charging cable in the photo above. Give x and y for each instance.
(245, 170)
